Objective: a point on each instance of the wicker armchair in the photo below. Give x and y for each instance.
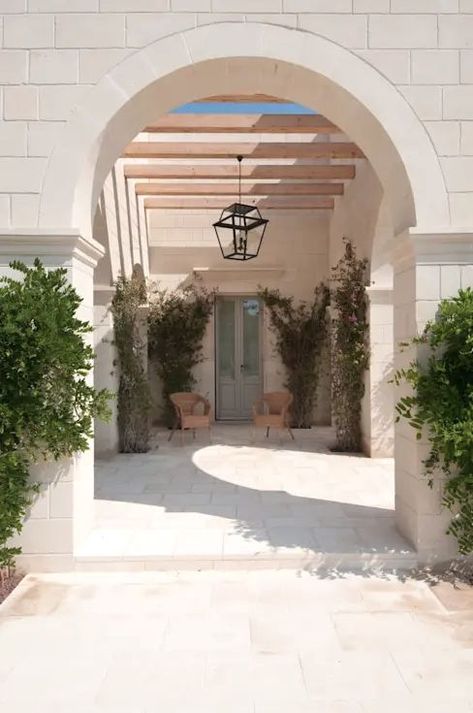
(272, 411)
(192, 411)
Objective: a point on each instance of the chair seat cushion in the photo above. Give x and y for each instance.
(265, 420)
(196, 421)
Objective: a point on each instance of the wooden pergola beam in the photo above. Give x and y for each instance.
(262, 150)
(260, 172)
(243, 123)
(216, 203)
(243, 99)
(231, 189)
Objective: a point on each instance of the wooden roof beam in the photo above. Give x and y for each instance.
(276, 172)
(216, 203)
(260, 150)
(244, 99)
(243, 123)
(231, 189)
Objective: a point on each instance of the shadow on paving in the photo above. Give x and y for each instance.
(170, 479)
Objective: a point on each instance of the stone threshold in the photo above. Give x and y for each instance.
(339, 561)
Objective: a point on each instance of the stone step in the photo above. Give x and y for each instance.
(317, 562)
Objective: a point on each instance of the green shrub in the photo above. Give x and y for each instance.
(176, 328)
(16, 495)
(442, 403)
(134, 403)
(47, 406)
(350, 352)
(301, 332)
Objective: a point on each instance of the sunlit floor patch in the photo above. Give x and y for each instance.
(246, 498)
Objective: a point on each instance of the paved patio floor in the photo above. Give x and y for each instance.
(234, 502)
(235, 642)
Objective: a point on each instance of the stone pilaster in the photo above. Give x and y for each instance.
(377, 406)
(105, 369)
(61, 516)
(428, 267)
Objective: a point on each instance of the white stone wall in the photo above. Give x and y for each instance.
(53, 51)
(427, 269)
(62, 515)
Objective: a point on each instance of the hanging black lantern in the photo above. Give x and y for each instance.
(240, 230)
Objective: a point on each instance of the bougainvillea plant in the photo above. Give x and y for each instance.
(441, 406)
(350, 351)
(301, 333)
(177, 322)
(134, 402)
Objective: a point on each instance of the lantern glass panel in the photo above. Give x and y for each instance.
(240, 232)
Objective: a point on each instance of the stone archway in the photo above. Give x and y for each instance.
(294, 65)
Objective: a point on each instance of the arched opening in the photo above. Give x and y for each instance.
(292, 65)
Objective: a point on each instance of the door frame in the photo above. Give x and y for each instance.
(234, 296)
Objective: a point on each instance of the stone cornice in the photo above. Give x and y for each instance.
(242, 273)
(39, 242)
(452, 247)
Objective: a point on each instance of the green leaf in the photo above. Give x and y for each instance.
(443, 403)
(46, 409)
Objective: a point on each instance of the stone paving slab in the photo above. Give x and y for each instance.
(239, 642)
(246, 500)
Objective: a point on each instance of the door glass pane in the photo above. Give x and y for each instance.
(251, 319)
(226, 339)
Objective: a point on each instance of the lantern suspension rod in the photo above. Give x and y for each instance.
(239, 159)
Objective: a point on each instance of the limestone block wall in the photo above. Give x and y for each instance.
(120, 226)
(62, 514)
(53, 51)
(432, 272)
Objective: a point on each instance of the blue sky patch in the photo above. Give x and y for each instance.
(242, 108)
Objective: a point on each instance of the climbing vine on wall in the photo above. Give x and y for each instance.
(442, 405)
(301, 333)
(177, 323)
(350, 351)
(47, 406)
(134, 401)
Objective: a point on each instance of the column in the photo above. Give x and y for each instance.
(105, 370)
(377, 405)
(428, 267)
(61, 516)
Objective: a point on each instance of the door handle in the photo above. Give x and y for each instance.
(242, 367)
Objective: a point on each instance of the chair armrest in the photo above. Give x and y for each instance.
(179, 413)
(206, 403)
(285, 414)
(285, 410)
(258, 407)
